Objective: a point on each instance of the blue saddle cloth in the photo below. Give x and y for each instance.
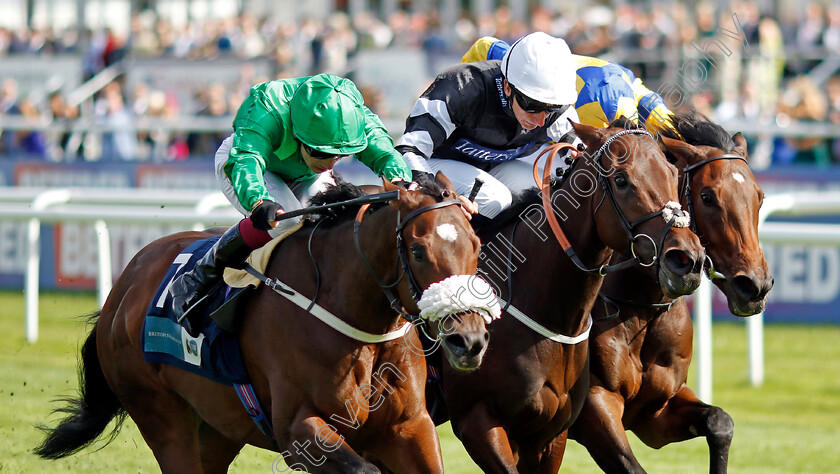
(215, 353)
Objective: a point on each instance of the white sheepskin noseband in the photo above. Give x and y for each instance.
(459, 294)
(673, 210)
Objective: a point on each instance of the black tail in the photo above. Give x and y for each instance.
(89, 414)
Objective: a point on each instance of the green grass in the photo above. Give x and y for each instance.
(791, 424)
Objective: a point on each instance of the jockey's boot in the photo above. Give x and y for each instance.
(190, 288)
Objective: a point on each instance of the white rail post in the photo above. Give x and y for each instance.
(755, 343)
(33, 262)
(33, 259)
(103, 243)
(703, 336)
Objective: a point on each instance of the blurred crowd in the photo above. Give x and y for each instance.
(770, 69)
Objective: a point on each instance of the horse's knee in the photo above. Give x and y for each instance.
(720, 426)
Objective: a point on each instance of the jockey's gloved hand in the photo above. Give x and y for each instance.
(421, 176)
(264, 214)
(410, 186)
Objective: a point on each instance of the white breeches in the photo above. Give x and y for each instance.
(500, 183)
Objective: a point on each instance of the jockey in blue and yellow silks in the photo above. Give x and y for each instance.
(606, 90)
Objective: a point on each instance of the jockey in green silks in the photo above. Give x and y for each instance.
(287, 136)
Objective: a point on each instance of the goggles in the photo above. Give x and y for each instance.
(533, 106)
(320, 155)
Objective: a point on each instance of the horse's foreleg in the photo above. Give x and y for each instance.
(314, 446)
(485, 440)
(599, 429)
(412, 446)
(217, 451)
(686, 417)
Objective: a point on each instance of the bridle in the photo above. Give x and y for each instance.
(544, 185)
(685, 192)
(402, 265)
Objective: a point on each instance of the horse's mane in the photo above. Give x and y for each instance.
(343, 191)
(695, 128)
(625, 123)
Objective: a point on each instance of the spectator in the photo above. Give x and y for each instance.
(8, 106)
(119, 142)
(214, 104)
(61, 114)
(804, 102)
(31, 143)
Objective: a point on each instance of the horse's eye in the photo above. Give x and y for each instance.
(621, 182)
(418, 254)
(707, 198)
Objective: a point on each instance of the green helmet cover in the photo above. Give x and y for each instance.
(328, 115)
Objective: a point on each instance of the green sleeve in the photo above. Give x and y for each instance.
(257, 133)
(380, 154)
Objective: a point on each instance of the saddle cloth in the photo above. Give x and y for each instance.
(214, 353)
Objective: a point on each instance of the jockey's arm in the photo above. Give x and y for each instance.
(651, 107)
(444, 107)
(246, 164)
(561, 130)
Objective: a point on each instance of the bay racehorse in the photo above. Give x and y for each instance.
(621, 194)
(641, 340)
(333, 400)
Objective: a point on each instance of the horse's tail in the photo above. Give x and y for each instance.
(88, 414)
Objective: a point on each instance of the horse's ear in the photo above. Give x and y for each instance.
(444, 182)
(680, 150)
(587, 133)
(389, 186)
(740, 145)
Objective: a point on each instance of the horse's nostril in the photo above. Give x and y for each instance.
(746, 287)
(679, 262)
(456, 342)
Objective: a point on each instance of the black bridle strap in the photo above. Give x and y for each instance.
(386, 288)
(686, 191)
(402, 251)
(402, 255)
(545, 187)
(430, 207)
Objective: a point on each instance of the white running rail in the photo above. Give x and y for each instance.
(101, 207)
(788, 204)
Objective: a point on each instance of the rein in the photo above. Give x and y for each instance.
(685, 192)
(544, 186)
(689, 203)
(402, 257)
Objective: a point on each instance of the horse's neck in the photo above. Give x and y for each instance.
(344, 278)
(547, 286)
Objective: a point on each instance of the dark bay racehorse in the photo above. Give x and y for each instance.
(329, 397)
(510, 413)
(639, 359)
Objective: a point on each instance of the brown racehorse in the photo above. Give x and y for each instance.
(639, 359)
(531, 385)
(329, 397)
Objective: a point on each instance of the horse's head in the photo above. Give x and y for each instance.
(440, 252)
(723, 198)
(643, 217)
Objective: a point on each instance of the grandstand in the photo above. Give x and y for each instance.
(119, 93)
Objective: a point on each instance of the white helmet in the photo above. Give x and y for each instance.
(541, 67)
